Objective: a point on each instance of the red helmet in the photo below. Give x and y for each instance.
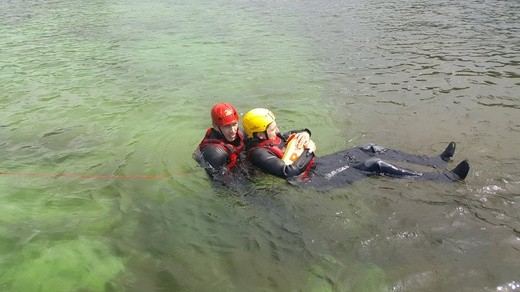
(224, 114)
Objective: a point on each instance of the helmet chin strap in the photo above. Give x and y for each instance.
(257, 135)
(221, 133)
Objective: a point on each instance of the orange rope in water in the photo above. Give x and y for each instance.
(150, 177)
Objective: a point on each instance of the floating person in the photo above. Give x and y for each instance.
(219, 151)
(292, 156)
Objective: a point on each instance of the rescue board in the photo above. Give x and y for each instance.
(292, 151)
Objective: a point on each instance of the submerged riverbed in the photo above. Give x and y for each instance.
(103, 103)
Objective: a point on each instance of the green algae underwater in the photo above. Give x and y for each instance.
(118, 88)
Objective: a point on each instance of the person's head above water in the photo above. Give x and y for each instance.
(225, 120)
(260, 123)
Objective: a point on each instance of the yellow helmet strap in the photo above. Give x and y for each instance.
(255, 134)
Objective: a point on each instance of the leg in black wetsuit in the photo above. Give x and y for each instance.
(374, 150)
(349, 165)
(378, 166)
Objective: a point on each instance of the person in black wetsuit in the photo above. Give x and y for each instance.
(219, 151)
(265, 148)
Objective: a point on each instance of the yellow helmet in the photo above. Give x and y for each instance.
(257, 120)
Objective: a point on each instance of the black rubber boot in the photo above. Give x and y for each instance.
(457, 174)
(461, 170)
(448, 153)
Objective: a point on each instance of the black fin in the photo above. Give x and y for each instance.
(448, 153)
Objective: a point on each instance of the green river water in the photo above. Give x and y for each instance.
(104, 101)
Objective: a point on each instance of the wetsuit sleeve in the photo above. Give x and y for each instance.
(215, 156)
(270, 163)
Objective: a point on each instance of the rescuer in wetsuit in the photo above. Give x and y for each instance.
(265, 147)
(219, 150)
